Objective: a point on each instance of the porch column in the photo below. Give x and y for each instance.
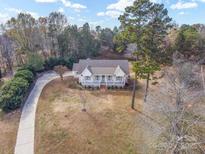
(100, 80)
(106, 79)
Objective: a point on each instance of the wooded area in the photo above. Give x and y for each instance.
(29, 46)
(27, 41)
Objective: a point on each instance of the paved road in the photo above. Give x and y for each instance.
(25, 136)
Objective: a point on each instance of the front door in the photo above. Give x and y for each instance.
(103, 78)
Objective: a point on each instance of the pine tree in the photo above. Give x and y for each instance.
(145, 24)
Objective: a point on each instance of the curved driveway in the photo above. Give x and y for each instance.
(26, 130)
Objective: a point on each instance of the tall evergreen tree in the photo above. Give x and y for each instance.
(89, 46)
(106, 37)
(145, 24)
(188, 41)
(69, 42)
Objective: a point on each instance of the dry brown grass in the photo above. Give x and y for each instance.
(108, 127)
(8, 128)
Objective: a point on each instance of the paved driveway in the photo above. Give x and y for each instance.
(26, 130)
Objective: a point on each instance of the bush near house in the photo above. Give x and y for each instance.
(25, 74)
(13, 92)
(52, 62)
(36, 62)
(27, 67)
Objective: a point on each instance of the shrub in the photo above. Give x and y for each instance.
(25, 74)
(70, 61)
(52, 62)
(13, 93)
(36, 62)
(27, 67)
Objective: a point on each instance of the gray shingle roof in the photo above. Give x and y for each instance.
(102, 70)
(101, 66)
(75, 66)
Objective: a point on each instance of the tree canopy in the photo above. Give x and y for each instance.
(189, 42)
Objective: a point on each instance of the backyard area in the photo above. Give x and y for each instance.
(108, 125)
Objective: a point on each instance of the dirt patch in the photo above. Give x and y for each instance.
(8, 127)
(108, 126)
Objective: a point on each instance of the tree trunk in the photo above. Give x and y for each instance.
(0, 74)
(9, 66)
(202, 76)
(53, 52)
(20, 60)
(61, 76)
(134, 92)
(179, 102)
(147, 87)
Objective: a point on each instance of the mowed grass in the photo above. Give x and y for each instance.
(8, 127)
(108, 126)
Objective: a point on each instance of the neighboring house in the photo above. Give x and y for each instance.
(94, 73)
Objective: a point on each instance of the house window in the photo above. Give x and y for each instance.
(109, 77)
(97, 77)
(118, 78)
(87, 78)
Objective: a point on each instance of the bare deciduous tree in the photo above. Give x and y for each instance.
(6, 53)
(179, 102)
(60, 70)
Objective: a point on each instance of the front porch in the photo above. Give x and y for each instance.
(106, 80)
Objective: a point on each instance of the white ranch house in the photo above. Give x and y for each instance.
(96, 73)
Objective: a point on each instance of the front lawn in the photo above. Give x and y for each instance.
(108, 127)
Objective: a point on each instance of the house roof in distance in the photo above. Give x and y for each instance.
(101, 66)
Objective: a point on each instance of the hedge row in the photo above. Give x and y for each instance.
(52, 62)
(13, 92)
